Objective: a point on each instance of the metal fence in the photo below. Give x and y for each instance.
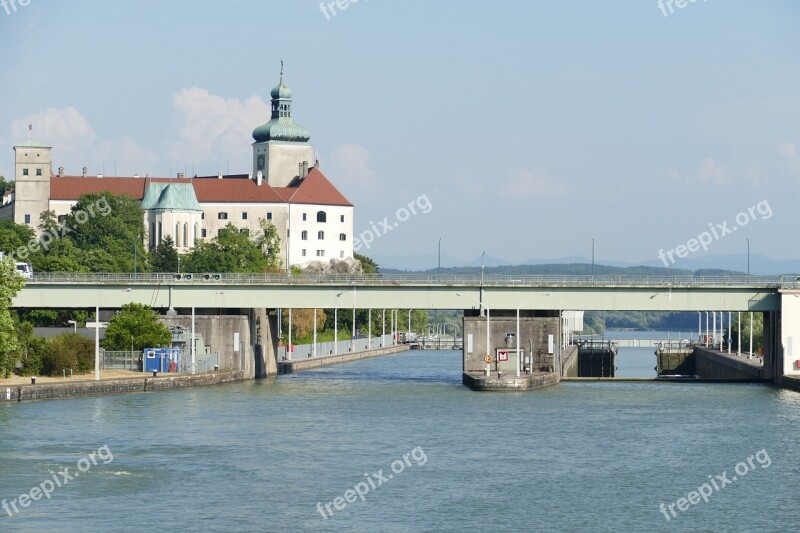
(326, 349)
(767, 282)
(127, 360)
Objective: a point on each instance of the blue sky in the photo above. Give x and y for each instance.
(532, 127)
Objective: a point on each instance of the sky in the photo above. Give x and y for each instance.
(523, 129)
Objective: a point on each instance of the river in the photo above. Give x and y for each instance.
(291, 454)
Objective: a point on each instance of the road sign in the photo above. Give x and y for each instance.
(502, 355)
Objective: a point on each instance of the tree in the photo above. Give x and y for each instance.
(48, 223)
(10, 285)
(108, 228)
(14, 236)
(758, 332)
(230, 251)
(269, 243)
(367, 264)
(165, 257)
(5, 185)
(137, 325)
(68, 352)
(303, 322)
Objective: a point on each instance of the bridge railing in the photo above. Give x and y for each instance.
(227, 278)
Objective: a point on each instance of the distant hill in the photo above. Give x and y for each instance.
(571, 269)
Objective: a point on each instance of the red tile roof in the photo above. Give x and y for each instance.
(314, 189)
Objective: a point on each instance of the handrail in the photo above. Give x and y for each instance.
(673, 282)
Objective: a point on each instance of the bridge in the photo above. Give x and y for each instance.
(410, 291)
(777, 297)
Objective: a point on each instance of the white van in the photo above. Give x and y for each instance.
(25, 270)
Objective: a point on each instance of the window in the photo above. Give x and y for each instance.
(269, 216)
(320, 253)
(203, 215)
(244, 215)
(222, 216)
(341, 254)
(304, 235)
(341, 218)
(321, 216)
(62, 218)
(304, 252)
(245, 231)
(203, 233)
(27, 219)
(25, 173)
(342, 237)
(304, 217)
(38, 171)
(177, 235)
(321, 235)
(152, 235)
(185, 234)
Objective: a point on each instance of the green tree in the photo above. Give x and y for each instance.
(13, 236)
(67, 353)
(31, 349)
(108, 228)
(5, 185)
(165, 257)
(230, 251)
(10, 284)
(367, 264)
(136, 324)
(758, 332)
(270, 244)
(48, 223)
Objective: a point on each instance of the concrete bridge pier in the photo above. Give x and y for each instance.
(264, 332)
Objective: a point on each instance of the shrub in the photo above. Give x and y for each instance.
(68, 352)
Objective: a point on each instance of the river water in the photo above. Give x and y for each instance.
(260, 456)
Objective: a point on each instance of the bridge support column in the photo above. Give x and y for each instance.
(264, 332)
(787, 323)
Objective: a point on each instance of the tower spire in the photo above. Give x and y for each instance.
(281, 70)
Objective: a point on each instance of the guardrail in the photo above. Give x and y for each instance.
(765, 282)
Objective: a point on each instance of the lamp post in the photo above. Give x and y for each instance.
(74, 324)
(439, 264)
(353, 341)
(97, 338)
(592, 259)
(748, 256)
(193, 349)
(488, 337)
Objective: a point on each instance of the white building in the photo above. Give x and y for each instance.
(313, 219)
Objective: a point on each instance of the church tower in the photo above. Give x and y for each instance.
(281, 147)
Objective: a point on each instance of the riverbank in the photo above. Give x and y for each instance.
(130, 384)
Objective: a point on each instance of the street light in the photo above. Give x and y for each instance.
(488, 354)
(75, 325)
(97, 337)
(439, 267)
(748, 256)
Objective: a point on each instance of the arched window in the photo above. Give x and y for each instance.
(194, 234)
(160, 233)
(304, 235)
(320, 235)
(185, 234)
(177, 235)
(321, 216)
(342, 237)
(152, 235)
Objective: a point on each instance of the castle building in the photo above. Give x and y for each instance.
(313, 219)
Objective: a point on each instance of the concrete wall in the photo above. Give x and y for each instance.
(678, 361)
(534, 331)
(790, 333)
(715, 365)
(219, 333)
(289, 367)
(569, 362)
(70, 389)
